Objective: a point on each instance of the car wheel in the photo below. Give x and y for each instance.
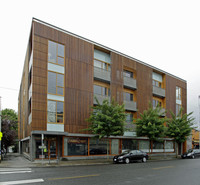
(193, 157)
(127, 160)
(144, 159)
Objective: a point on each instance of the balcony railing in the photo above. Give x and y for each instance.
(100, 98)
(160, 92)
(162, 112)
(130, 83)
(101, 74)
(130, 105)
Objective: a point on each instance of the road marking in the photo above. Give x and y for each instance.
(22, 181)
(4, 171)
(163, 167)
(14, 169)
(75, 177)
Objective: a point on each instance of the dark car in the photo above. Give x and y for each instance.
(191, 153)
(131, 155)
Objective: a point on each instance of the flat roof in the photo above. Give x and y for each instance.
(107, 48)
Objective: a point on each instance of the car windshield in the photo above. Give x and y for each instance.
(190, 150)
(125, 152)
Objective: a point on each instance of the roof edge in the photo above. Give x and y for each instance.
(107, 48)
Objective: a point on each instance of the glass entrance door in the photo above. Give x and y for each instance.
(52, 149)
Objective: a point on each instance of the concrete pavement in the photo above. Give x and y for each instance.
(15, 160)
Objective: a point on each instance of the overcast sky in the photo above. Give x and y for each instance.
(162, 33)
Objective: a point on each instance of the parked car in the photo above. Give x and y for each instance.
(128, 156)
(191, 153)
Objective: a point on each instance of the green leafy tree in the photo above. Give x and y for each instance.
(150, 124)
(107, 119)
(9, 123)
(179, 127)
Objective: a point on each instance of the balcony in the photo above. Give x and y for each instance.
(100, 98)
(130, 83)
(162, 112)
(101, 74)
(159, 92)
(130, 105)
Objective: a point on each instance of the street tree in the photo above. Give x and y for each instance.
(107, 119)
(151, 124)
(9, 128)
(179, 127)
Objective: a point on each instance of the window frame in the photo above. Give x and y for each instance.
(108, 66)
(102, 85)
(56, 112)
(57, 56)
(57, 86)
(130, 92)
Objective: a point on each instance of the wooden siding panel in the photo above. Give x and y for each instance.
(116, 84)
(144, 87)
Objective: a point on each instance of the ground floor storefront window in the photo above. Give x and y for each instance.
(144, 145)
(129, 144)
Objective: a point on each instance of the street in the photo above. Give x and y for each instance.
(173, 172)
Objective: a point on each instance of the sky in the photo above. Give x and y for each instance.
(162, 33)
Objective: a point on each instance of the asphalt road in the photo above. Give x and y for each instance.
(174, 172)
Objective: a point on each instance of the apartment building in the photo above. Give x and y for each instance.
(62, 74)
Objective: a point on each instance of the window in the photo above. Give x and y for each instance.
(55, 112)
(128, 74)
(55, 83)
(158, 146)
(102, 60)
(178, 100)
(129, 117)
(56, 53)
(77, 146)
(178, 93)
(105, 91)
(128, 96)
(157, 79)
(129, 144)
(144, 145)
(98, 146)
(157, 102)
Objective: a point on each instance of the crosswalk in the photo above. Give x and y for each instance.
(7, 171)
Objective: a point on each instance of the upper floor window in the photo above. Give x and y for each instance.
(178, 93)
(55, 111)
(102, 60)
(129, 117)
(157, 79)
(128, 74)
(55, 83)
(101, 90)
(56, 53)
(157, 102)
(128, 96)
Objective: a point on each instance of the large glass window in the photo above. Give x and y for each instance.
(56, 53)
(98, 147)
(55, 112)
(77, 146)
(105, 91)
(128, 96)
(144, 145)
(157, 79)
(129, 144)
(128, 74)
(157, 102)
(169, 146)
(158, 147)
(102, 60)
(55, 83)
(178, 93)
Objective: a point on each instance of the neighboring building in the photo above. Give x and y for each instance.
(62, 74)
(195, 139)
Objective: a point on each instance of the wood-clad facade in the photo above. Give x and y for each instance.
(79, 71)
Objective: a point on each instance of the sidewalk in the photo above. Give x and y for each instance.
(15, 160)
